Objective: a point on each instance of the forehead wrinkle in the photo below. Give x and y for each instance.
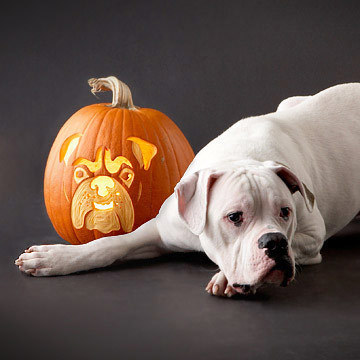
(272, 193)
(234, 188)
(255, 190)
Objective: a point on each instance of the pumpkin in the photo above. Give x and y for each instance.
(112, 166)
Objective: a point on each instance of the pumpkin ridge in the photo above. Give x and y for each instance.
(134, 124)
(149, 120)
(98, 112)
(159, 128)
(140, 123)
(103, 121)
(117, 124)
(49, 193)
(172, 148)
(63, 214)
(90, 122)
(111, 144)
(184, 141)
(123, 135)
(51, 163)
(150, 171)
(71, 232)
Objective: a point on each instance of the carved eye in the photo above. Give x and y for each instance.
(236, 218)
(127, 176)
(80, 174)
(285, 213)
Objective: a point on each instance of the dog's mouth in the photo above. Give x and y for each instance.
(99, 206)
(282, 273)
(285, 266)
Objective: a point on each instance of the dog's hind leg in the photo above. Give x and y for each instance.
(291, 102)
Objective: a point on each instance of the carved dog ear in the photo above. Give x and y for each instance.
(192, 193)
(293, 183)
(68, 147)
(143, 151)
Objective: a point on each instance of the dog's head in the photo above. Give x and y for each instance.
(246, 220)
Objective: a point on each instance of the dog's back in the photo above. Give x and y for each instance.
(319, 139)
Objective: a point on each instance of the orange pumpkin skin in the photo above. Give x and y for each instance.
(107, 128)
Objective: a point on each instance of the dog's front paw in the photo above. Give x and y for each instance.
(218, 285)
(48, 260)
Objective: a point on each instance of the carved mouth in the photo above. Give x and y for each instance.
(108, 206)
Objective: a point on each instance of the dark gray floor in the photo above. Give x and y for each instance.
(158, 309)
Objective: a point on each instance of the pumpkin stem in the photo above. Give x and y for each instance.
(121, 93)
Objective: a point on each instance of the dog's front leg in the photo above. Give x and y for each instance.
(307, 249)
(309, 237)
(47, 260)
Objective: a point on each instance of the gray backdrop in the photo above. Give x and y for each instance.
(205, 64)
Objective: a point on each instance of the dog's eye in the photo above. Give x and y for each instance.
(285, 213)
(236, 217)
(80, 174)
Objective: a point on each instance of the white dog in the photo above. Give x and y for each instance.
(259, 198)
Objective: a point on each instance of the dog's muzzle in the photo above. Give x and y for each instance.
(277, 248)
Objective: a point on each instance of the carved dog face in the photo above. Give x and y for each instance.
(101, 202)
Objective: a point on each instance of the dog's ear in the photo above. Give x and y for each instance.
(293, 183)
(192, 194)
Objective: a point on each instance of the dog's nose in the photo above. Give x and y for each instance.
(275, 243)
(244, 288)
(102, 184)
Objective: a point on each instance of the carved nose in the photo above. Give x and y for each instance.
(243, 287)
(275, 243)
(102, 184)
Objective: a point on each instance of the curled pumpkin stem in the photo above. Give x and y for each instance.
(122, 97)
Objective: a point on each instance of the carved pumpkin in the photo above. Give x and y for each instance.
(112, 166)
